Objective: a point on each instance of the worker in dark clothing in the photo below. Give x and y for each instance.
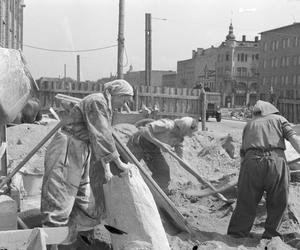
(148, 142)
(263, 169)
(82, 149)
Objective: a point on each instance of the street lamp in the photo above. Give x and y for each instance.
(148, 47)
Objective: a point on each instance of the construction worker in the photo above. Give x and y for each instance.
(263, 169)
(161, 134)
(67, 198)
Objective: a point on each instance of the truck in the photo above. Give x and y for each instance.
(213, 100)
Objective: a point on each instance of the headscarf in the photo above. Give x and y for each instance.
(186, 125)
(118, 87)
(264, 108)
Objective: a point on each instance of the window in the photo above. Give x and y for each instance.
(287, 61)
(246, 56)
(238, 56)
(256, 56)
(265, 46)
(242, 57)
(227, 57)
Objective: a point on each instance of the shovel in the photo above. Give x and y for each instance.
(235, 183)
(186, 166)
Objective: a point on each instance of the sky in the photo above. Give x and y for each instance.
(89, 24)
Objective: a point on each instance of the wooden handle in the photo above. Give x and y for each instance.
(190, 170)
(30, 154)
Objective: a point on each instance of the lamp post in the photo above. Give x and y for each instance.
(148, 46)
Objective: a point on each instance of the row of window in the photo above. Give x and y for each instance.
(281, 80)
(283, 61)
(241, 57)
(283, 43)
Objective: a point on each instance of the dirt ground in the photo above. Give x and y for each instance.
(206, 153)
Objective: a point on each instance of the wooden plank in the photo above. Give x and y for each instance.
(17, 239)
(3, 157)
(161, 199)
(174, 114)
(171, 95)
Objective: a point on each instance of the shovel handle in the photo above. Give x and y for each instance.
(30, 154)
(190, 170)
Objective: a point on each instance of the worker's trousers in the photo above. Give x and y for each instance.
(67, 198)
(261, 171)
(155, 161)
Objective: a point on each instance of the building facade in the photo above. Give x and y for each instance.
(237, 70)
(280, 63)
(137, 78)
(11, 23)
(192, 71)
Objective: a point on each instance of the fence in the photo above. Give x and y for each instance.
(171, 102)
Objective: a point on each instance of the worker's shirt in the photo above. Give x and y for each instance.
(166, 131)
(267, 133)
(90, 121)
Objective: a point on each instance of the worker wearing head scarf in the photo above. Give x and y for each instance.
(67, 196)
(263, 169)
(166, 131)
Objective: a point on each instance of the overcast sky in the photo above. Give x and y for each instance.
(89, 24)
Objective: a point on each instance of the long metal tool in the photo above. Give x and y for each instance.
(30, 154)
(186, 166)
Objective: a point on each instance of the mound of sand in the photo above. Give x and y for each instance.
(215, 156)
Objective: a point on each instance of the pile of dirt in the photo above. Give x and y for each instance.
(212, 154)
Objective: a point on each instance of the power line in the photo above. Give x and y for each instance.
(62, 50)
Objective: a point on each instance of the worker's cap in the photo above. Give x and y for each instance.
(118, 87)
(264, 108)
(187, 125)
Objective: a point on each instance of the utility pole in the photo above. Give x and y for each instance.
(65, 72)
(78, 69)
(148, 49)
(121, 39)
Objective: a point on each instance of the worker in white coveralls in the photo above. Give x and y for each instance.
(83, 148)
(168, 133)
(263, 169)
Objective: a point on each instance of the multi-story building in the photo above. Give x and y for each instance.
(279, 64)
(190, 72)
(169, 80)
(137, 78)
(237, 70)
(11, 23)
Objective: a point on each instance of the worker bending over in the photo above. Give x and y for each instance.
(263, 169)
(157, 135)
(67, 198)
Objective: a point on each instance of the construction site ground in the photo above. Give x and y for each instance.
(206, 153)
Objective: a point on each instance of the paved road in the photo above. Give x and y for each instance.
(225, 126)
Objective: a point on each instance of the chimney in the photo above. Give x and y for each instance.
(244, 38)
(194, 53)
(256, 39)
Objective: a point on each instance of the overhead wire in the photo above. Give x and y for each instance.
(69, 51)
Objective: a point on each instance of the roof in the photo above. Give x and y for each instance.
(281, 28)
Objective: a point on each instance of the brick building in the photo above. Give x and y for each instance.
(237, 70)
(137, 78)
(191, 71)
(280, 63)
(11, 23)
